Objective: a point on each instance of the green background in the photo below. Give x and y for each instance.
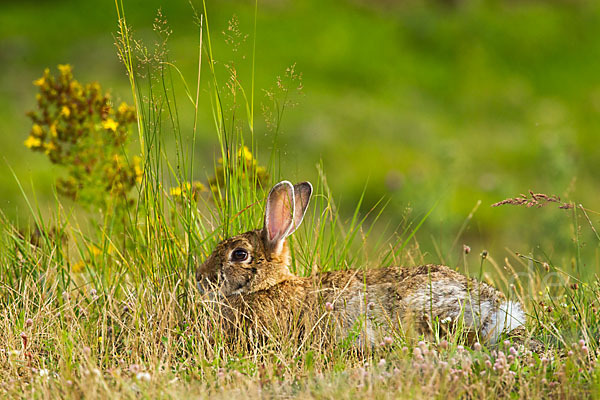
(422, 103)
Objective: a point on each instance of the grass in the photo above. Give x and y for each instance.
(91, 306)
(447, 105)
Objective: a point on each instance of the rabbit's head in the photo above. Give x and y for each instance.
(259, 259)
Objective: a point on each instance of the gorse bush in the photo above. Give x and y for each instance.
(249, 170)
(78, 127)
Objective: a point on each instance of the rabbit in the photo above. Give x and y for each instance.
(249, 274)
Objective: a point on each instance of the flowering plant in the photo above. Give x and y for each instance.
(77, 127)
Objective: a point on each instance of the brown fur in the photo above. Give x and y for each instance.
(264, 293)
(259, 291)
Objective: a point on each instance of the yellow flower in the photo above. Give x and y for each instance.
(50, 147)
(53, 131)
(64, 69)
(78, 266)
(65, 111)
(95, 250)
(110, 124)
(76, 87)
(32, 142)
(245, 153)
(111, 248)
(40, 82)
(139, 172)
(176, 191)
(123, 108)
(37, 130)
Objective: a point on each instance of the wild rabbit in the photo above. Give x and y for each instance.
(249, 275)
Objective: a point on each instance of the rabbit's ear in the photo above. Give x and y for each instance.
(302, 193)
(279, 215)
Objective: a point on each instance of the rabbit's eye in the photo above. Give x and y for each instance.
(239, 255)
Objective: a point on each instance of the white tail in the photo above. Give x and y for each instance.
(509, 316)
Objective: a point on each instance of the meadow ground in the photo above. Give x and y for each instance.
(97, 291)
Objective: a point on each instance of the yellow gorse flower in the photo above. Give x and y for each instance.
(139, 172)
(187, 189)
(78, 266)
(64, 69)
(123, 108)
(110, 125)
(37, 130)
(33, 142)
(42, 81)
(95, 250)
(65, 111)
(50, 147)
(245, 153)
(176, 191)
(247, 169)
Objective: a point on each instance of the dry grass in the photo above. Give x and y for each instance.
(136, 338)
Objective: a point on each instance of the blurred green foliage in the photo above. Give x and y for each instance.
(424, 103)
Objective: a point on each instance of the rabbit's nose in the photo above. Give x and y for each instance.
(205, 286)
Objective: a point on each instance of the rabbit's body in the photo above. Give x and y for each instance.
(379, 301)
(250, 273)
(417, 298)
